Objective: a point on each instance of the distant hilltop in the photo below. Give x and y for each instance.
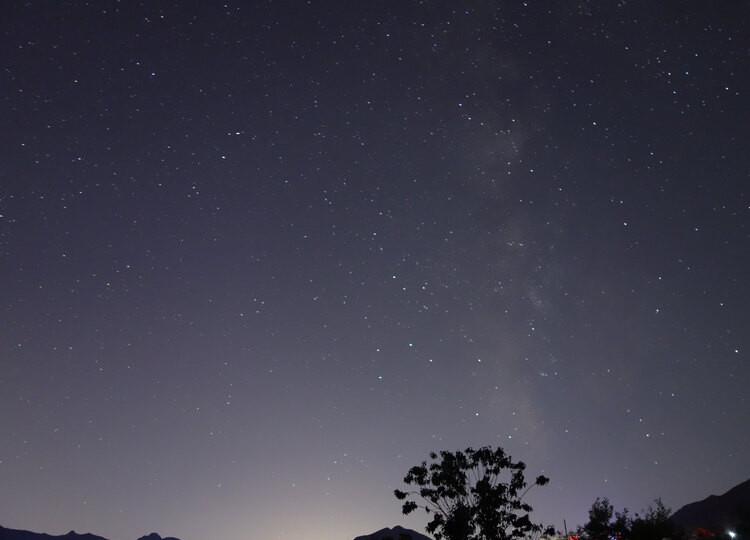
(154, 536)
(15, 534)
(396, 533)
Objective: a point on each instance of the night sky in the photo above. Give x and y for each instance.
(259, 258)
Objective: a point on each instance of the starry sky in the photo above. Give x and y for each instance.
(259, 258)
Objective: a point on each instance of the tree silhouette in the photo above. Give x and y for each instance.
(604, 523)
(599, 525)
(472, 495)
(654, 524)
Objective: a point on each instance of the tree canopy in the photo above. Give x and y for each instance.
(654, 524)
(472, 495)
(604, 523)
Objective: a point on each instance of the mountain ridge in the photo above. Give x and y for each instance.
(716, 512)
(19, 534)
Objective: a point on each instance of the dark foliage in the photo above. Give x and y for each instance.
(654, 524)
(472, 495)
(600, 523)
(606, 524)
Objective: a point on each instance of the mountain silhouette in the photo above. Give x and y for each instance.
(716, 513)
(396, 533)
(15, 534)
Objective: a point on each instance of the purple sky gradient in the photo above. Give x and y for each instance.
(259, 258)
